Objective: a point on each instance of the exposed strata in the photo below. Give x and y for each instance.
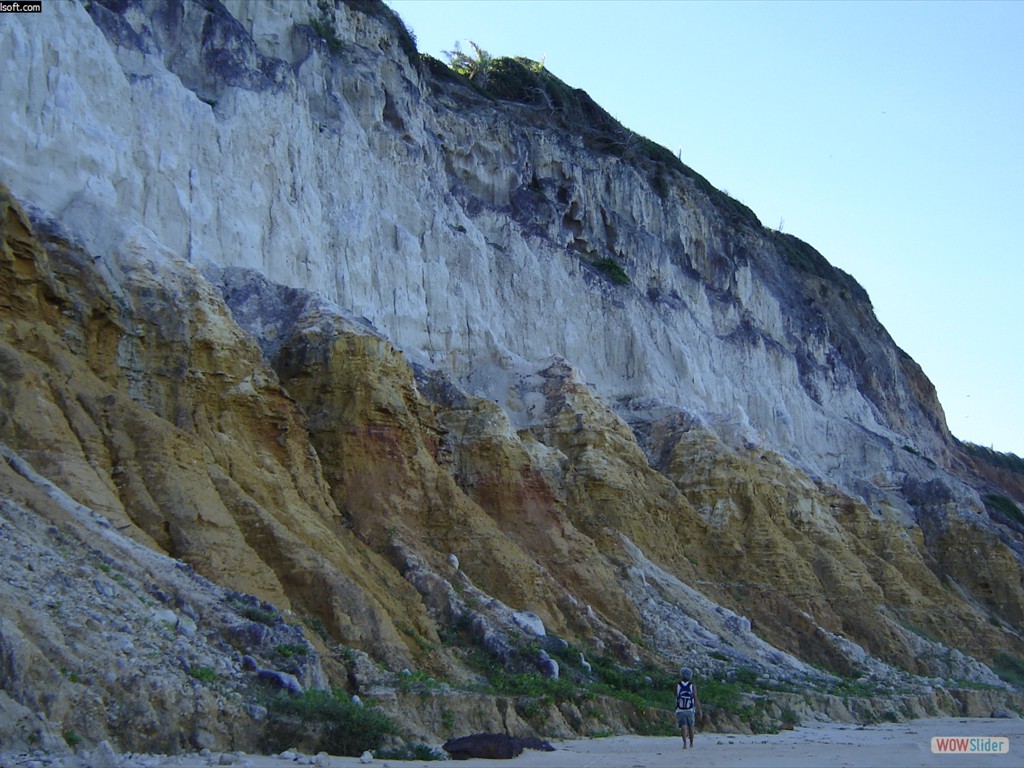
(315, 366)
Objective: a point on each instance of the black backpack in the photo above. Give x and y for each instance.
(684, 696)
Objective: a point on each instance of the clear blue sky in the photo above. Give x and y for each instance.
(889, 135)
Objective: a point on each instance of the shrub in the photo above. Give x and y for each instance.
(612, 270)
(995, 502)
(254, 610)
(1008, 461)
(476, 67)
(1009, 668)
(323, 26)
(204, 674)
(324, 721)
(292, 650)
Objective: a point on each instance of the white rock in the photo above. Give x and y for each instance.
(529, 622)
(107, 137)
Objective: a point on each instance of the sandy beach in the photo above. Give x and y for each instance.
(890, 745)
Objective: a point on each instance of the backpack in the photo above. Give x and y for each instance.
(684, 696)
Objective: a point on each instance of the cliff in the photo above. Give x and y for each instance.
(309, 342)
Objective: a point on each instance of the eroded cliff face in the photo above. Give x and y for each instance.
(313, 318)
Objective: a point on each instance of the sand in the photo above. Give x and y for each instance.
(899, 745)
(892, 745)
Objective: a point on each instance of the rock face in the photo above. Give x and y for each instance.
(403, 361)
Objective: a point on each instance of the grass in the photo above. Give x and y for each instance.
(417, 681)
(204, 674)
(292, 650)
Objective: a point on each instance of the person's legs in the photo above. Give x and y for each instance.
(685, 720)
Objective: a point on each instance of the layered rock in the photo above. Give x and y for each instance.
(347, 335)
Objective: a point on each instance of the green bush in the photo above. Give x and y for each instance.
(292, 650)
(1009, 668)
(325, 721)
(324, 29)
(255, 611)
(995, 502)
(612, 270)
(204, 674)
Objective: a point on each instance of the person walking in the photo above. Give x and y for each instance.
(687, 704)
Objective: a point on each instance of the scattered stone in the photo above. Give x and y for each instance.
(366, 758)
(547, 666)
(166, 616)
(529, 622)
(282, 680)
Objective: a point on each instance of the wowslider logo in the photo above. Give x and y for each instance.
(970, 745)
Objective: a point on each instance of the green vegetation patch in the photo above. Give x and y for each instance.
(1004, 506)
(1009, 668)
(525, 81)
(253, 610)
(325, 721)
(611, 269)
(204, 674)
(1008, 461)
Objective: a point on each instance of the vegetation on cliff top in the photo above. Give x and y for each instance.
(524, 81)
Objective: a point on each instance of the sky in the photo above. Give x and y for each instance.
(888, 135)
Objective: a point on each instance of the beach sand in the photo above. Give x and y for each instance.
(890, 745)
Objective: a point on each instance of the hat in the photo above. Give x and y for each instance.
(685, 674)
